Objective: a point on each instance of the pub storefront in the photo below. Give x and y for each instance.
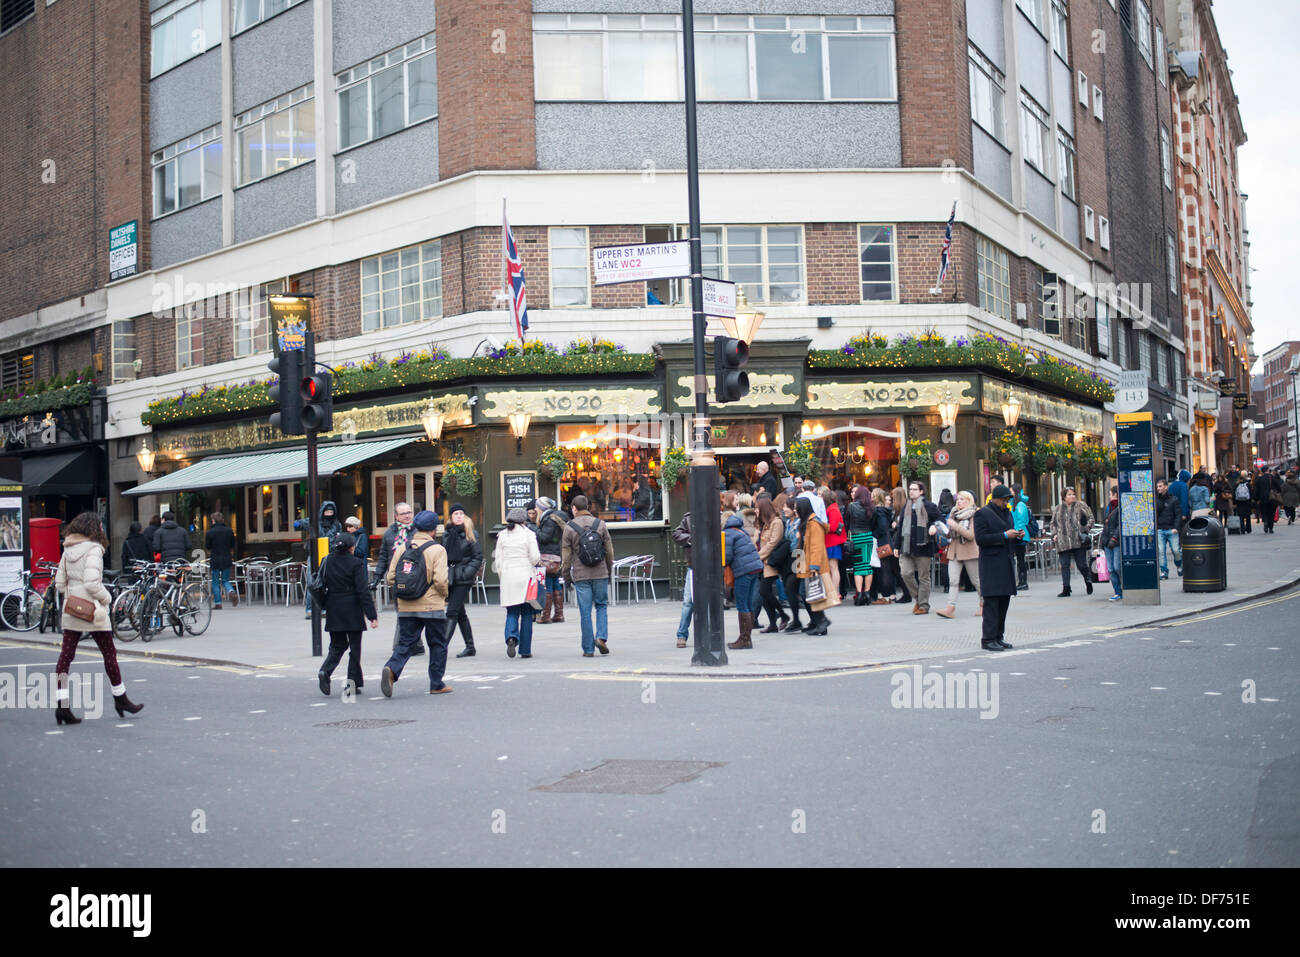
(59, 457)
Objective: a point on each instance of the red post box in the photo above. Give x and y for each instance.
(43, 534)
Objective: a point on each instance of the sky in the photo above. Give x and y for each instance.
(1262, 39)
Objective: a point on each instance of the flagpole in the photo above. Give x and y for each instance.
(504, 290)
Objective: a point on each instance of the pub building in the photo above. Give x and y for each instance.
(59, 457)
(614, 432)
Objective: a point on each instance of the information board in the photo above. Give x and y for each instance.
(1138, 554)
(517, 490)
(123, 251)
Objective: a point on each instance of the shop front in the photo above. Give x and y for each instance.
(59, 457)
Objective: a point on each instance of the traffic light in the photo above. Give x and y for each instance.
(731, 382)
(289, 367)
(317, 402)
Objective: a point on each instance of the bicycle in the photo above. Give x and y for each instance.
(170, 599)
(23, 608)
(125, 609)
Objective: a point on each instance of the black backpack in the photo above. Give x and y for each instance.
(591, 544)
(411, 580)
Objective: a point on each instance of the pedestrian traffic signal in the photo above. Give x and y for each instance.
(730, 381)
(317, 402)
(289, 367)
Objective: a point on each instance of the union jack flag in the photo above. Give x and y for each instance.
(513, 270)
(946, 252)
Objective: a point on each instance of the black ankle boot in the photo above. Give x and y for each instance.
(63, 715)
(124, 706)
(468, 652)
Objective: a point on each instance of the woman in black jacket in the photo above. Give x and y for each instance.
(347, 599)
(883, 583)
(135, 548)
(464, 559)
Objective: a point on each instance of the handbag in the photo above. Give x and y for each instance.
(885, 551)
(552, 563)
(1102, 568)
(728, 576)
(814, 590)
(319, 591)
(82, 608)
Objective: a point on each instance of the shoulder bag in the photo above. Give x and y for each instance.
(82, 608)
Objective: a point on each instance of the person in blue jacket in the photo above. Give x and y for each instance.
(1178, 490)
(746, 566)
(1021, 518)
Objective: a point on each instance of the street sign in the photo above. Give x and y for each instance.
(123, 251)
(1227, 387)
(1131, 394)
(615, 264)
(1260, 463)
(1241, 400)
(1137, 528)
(719, 298)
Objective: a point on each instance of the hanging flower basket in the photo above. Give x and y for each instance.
(552, 462)
(1009, 449)
(675, 467)
(917, 459)
(460, 476)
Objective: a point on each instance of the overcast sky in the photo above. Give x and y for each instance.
(1262, 38)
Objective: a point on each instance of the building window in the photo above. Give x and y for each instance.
(1061, 30)
(189, 334)
(1036, 11)
(14, 12)
(994, 278)
(391, 92)
(988, 93)
(1098, 103)
(606, 468)
(420, 488)
(877, 259)
(1065, 155)
(1089, 223)
(249, 13)
(1083, 89)
(634, 57)
(253, 318)
(1162, 365)
(1103, 232)
(124, 350)
(1036, 134)
(1047, 297)
(276, 135)
(402, 286)
(1143, 27)
(187, 173)
(270, 510)
(1166, 160)
(183, 30)
(1162, 63)
(1121, 345)
(570, 284)
(765, 261)
(17, 370)
(1171, 256)
(1103, 326)
(1144, 352)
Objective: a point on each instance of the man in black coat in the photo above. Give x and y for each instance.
(1264, 504)
(219, 543)
(172, 541)
(348, 598)
(764, 480)
(995, 532)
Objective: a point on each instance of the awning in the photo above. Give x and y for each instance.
(256, 468)
(62, 473)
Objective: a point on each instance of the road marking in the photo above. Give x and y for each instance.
(1230, 644)
(53, 732)
(137, 681)
(1215, 694)
(320, 704)
(192, 677)
(1110, 682)
(1059, 678)
(1186, 641)
(125, 724)
(1195, 619)
(1274, 649)
(692, 679)
(484, 687)
(1158, 688)
(1271, 700)
(1018, 674)
(258, 711)
(194, 719)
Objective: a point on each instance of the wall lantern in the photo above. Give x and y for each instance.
(519, 420)
(948, 410)
(433, 422)
(1011, 410)
(145, 457)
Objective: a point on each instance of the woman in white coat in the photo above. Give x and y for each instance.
(515, 561)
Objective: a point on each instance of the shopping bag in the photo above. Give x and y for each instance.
(830, 596)
(534, 593)
(814, 589)
(1102, 568)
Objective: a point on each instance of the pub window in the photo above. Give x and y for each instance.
(270, 510)
(189, 334)
(994, 278)
(419, 488)
(17, 370)
(124, 350)
(877, 260)
(569, 279)
(614, 465)
(856, 449)
(766, 261)
(401, 286)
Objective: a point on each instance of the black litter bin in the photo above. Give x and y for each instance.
(1205, 555)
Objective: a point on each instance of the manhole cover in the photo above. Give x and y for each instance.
(631, 777)
(365, 723)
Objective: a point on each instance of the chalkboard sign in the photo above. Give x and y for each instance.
(517, 490)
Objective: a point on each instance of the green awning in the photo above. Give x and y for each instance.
(257, 468)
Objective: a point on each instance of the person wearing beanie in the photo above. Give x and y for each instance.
(353, 527)
(425, 613)
(515, 561)
(348, 605)
(464, 562)
(995, 532)
(550, 541)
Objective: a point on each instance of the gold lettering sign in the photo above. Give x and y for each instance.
(765, 391)
(1044, 409)
(879, 395)
(349, 423)
(570, 403)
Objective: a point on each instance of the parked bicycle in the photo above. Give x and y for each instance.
(25, 607)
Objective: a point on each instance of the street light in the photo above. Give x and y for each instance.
(1011, 410)
(745, 325)
(145, 457)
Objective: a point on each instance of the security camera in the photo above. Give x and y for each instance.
(494, 343)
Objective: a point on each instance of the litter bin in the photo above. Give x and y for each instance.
(1205, 556)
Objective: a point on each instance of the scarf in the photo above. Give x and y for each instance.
(963, 515)
(403, 535)
(913, 514)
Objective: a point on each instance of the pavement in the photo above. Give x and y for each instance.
(260, 638)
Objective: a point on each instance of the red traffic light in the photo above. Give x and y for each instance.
(309, 387)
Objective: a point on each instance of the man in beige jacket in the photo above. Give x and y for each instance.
(425, 613)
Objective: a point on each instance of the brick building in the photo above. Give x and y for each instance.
(1213, 242)
(361, 152)
(1276, 405)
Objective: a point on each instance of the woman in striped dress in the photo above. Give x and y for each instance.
(861, 516)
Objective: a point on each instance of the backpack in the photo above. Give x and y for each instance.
(591, 544)
(412, 579)
(1032, 527)
(1243, 492)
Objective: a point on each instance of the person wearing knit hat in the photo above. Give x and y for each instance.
(464, 562)
(550, 542)
(353, 527)
(423, 613)
(995, 533)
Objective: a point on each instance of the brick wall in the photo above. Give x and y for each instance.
(72, 110)
(1086, 45)
(933, 83)
(485, 86)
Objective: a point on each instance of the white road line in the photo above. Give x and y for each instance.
(1215, 694)
(258, 711)
(195, 718)
(137, 681)
(377, 698)
(1186, 641)
(1230, 644)
(320, 704)
(1158, 688)
(1271, 700)
(1018, 674)
(53, 732)
(1059, 678)
(1274, 649)
(1110, 682)
(192, 677)
(484, 687)
(125, 724)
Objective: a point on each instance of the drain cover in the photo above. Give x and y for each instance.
(630, 777)
(364, 723)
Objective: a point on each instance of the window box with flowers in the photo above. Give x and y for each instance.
(49, 395)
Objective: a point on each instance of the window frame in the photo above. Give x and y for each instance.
(989, 252)
(1171, 254)
(191, 316)
(119, 352)
(990, 77)
(421, 250)
(167, 17)
(1166, 159)
(657, 443)
(893, 262)
(1067, 165)
(262, 15)
(764, 263)
(432, 475)
(1032, 112)
(255, 532)
(1142, 24)
(551, 267)
(348, 80)
(1059, 21)
(1035, 12)
(258, 313)
(261, 117)
(171, 155)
